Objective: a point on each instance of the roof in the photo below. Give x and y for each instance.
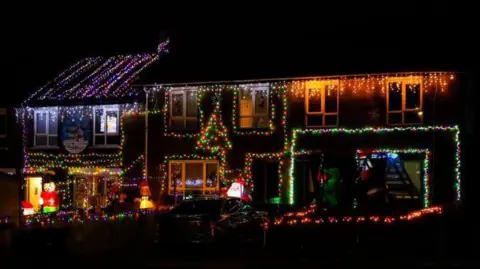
(96, 79)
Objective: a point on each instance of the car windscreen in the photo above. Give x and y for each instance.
(198, 207)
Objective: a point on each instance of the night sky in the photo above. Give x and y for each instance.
(239, 43)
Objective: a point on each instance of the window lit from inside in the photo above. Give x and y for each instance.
(405, 101)
(183, 109)
(46, 127)
(193, 177)
(3, 122)
(254, 107)
(322, 103)
(107, 126)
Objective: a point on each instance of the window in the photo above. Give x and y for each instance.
(193, 176)
(404, 101)
(3, 122)
(254, 107)
(46, 127)
(322, 103)
(183, 109)
(106, 125)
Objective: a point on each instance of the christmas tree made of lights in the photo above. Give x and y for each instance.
(214, 136)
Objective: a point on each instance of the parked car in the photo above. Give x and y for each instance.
(212, 220)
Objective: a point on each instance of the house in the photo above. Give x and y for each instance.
(91, 132)
(72, 131)
(284, 136)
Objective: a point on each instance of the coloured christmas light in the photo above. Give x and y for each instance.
(75, 217)
(166, 113)
(164, 168)
(98, 78)
(60, 77)
(214, 136)
(380, 130)
(125, 72)
(120, 91)
(139, 160)
(244, 90)
(250, 157)
(369, 84)
(94, 171)
(381, 153)
(235, 88)
(82, 111)
(74, 75)
(87, 78)
(309, 217)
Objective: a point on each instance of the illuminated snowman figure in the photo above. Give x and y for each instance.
(49, 198)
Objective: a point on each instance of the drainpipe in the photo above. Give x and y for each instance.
(146, 134)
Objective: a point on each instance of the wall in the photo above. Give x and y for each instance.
(354, 112)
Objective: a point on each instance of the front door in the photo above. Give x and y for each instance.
(265, 179)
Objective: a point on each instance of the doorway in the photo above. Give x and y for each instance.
(265, 178)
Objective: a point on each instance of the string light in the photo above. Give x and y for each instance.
(99, 78)
(214, 136)
(382, 153)
(368, 84)
(380, 130)
(250, 157)
(309, 217)
(75, 217)
(60, 77)
(164, 167)
(249, 89)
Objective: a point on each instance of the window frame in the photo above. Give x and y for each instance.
(404, 81)
(3, 112)
(47, 127)
(184, 116)
(322, 86)
(183, 163)
(105, 134)
(253, 90)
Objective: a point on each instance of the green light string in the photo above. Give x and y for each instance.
(360, 131)
(235, 122)
(164, 168)
(426, 199)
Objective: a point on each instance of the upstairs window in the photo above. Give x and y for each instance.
(321, 103)
(3, 122)
(404, 101)
(183, 109)
(46, 127)
(254, 107)
(106, 122)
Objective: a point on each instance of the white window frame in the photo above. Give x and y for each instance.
(183, 188)
(105, 134)
(3, 112)
(321, 85)
(184, 116)
(253, 90)
(47, 126)
(404, 81)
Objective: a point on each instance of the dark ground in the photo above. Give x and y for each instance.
(300, 248)
(432, 242)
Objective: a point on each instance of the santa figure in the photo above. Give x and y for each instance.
(49, 198)
(237, 189)
(27, 208)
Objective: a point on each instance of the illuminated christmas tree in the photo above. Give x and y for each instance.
(214, 136)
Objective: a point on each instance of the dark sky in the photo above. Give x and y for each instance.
(238, 43)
